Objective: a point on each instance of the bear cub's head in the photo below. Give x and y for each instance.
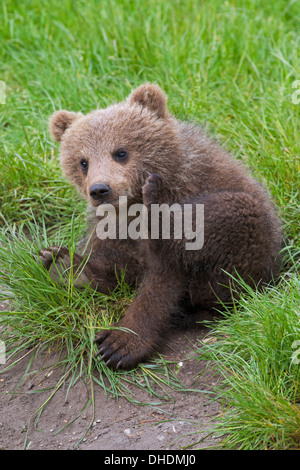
(110, 152)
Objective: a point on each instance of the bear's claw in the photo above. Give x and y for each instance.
(121, 349)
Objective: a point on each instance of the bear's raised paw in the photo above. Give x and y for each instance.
(152, 189)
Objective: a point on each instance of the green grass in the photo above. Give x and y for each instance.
(256, 348)
(228, 64)
(45, 317)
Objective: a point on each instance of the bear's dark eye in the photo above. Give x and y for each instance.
(120, 155)
(84, 165)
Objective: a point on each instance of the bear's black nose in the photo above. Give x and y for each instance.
(99, 191)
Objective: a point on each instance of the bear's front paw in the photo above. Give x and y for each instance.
(122, 349)
(56, 260)
(152, 189)
(51, 254)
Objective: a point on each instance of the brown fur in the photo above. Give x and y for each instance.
(168, 162)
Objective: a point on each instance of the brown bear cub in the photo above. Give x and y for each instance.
(138, 151)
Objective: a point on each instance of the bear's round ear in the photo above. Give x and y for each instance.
(152, 97)
(60, 121)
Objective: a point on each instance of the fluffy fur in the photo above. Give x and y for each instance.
(168, 161)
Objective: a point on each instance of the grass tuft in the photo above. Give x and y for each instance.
(256, 349)
(46, 316)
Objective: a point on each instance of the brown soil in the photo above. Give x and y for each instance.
(116, 424)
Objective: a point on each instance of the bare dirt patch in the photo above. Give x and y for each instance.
(117, 424)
